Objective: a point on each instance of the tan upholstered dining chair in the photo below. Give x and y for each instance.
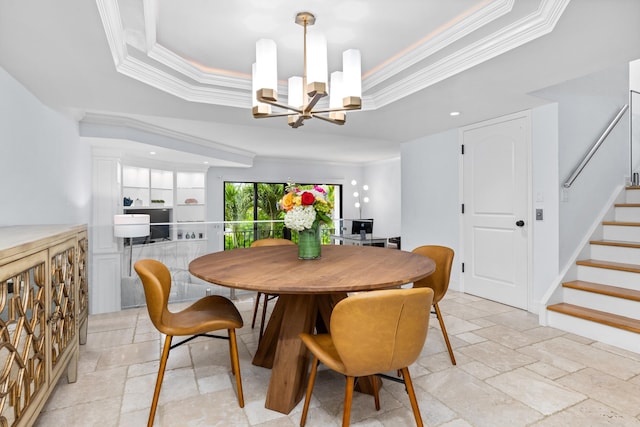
(438, 281)
(370, 333)
(267, 297)
(208, 314)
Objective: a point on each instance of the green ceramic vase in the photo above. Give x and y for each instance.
(309, 243)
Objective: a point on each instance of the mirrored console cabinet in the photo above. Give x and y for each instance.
(44, 303)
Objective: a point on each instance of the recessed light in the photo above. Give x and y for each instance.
(454, 113)
(153, 153)
(206, 163)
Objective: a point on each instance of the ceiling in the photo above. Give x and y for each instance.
(175, 76)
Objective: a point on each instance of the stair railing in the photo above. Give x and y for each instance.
(631, 93)
(596, 146)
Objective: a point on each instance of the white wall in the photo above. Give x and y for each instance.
(634, 75)
(585, 108)
(634, 85)
(385, 207)
(44, 167)
(430, 195)
(545, 193)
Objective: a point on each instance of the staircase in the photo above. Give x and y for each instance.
(603, 303)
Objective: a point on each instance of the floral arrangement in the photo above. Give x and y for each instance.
(305, 206)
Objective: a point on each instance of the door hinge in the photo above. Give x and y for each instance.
(462, 149)
(463, 267)
(462, 207)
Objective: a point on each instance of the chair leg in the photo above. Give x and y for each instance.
(264, 315)
(348, 397)
(376, 394)
(412, 396)
(235, 364)
(255, 309)
(233, 368)
(156, 392)
(444, 333)
(307, 398)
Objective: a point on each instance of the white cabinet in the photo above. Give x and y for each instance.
(183, 191)
(144, 185)
(190, 205)
(135, 185)
(161, 188)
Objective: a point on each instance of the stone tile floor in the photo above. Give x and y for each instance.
(511, 372)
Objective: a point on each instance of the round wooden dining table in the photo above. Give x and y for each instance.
(308, 290)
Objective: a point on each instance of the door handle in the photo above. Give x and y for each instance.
(520, 223)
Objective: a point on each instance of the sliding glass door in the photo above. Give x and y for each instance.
(251, 212)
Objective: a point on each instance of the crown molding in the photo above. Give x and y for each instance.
(194, 84)
(150, 11)
(439, 41)
(532, 26)
(153, 76)
(113, 126)
(110, 15)
(177, 63)
(149, 73)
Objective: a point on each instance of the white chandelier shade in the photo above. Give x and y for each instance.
(345, 90)
(336, 95)
(316, 58)
(267, 64)
(261, 106)
(296, 92)
(351, 62)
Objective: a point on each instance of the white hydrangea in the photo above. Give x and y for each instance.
(300, 218)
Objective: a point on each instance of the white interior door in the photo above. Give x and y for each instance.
(495, 221)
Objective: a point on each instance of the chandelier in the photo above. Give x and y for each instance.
(304, 92)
